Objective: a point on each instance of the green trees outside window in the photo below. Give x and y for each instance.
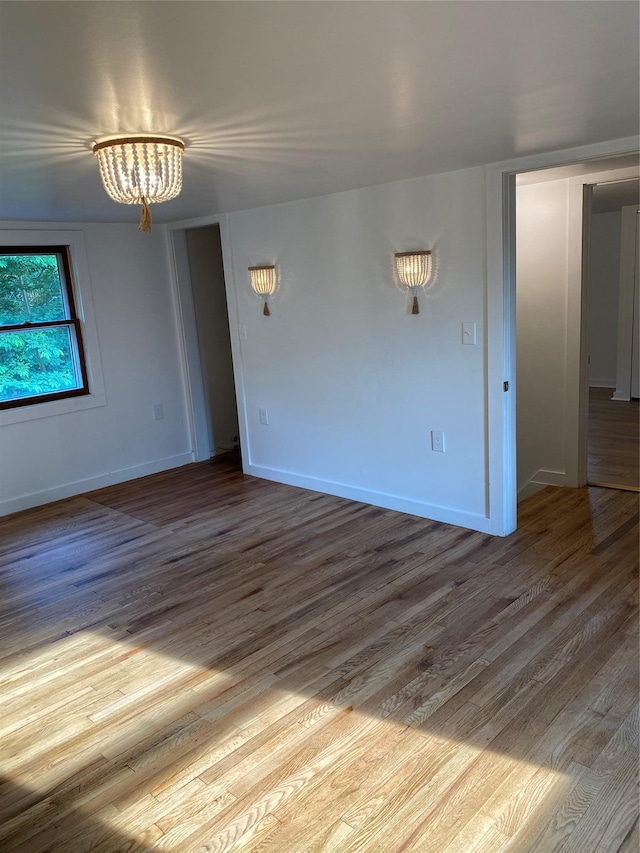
(41, 354)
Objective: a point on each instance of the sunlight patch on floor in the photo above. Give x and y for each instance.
(98, 750)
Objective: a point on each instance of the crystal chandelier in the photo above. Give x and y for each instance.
(140, 170)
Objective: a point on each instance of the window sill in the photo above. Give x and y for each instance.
(50, 409)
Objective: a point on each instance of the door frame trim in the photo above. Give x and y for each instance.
(626, 301)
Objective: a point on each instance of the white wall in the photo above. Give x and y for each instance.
(212, 322)
(541, 320)
(56, 455)
(352, 382)
(603, 298)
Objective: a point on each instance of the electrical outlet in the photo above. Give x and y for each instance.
(158, 413)
(437, 440)
(242, 332)
(264, 417)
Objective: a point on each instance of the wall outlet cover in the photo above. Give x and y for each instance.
(437, 440)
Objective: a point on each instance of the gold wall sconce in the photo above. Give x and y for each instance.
(414, 271)
(263, 281)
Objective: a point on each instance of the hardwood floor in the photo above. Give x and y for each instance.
(203, 661)
(614, 441)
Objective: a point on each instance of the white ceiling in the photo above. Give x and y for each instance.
(285, 100)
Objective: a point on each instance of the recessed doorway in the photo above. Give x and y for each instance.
(614, 428)
(554, 337)
(206, 278)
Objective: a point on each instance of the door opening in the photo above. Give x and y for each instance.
(613, 434)
(552, 294)
(206, 273)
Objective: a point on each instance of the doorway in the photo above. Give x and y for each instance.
(552, 341)
(613, 458)
(206, 274)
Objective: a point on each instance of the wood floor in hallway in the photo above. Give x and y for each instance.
(203, 661)
(614, 441)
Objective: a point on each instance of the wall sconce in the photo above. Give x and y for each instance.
(263, 281)
(414, 270)
(140, 169)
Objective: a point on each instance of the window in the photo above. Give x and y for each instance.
(41, 353)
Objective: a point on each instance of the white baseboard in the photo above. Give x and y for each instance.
(80, 486)
(602, 383)
(433, 512)
(539, 480)
(529, 489)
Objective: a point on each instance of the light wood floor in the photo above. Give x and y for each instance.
(202, 661)
(614, 440)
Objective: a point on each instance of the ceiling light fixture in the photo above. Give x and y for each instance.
(414, 270)
(140, 169)
(263, 281)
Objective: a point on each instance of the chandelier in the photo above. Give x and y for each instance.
(140, 170)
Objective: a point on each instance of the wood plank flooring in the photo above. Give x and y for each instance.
(614, 441)
(203, 661)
